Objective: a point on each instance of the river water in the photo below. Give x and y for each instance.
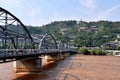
(50, 71)
(6, 71)
(77, 67)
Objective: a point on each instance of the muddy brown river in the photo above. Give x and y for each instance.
(77, 67)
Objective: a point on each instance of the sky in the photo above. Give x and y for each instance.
(41, 12)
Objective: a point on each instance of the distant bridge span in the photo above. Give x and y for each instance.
(20, 44)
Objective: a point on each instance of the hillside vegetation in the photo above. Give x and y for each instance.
(80, 32)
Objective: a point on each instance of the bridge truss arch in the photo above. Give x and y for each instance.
(13, 39)
(48, 41)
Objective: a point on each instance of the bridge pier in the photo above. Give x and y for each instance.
(56, 57)
(28, 65)
(36, 64)
(53, 57)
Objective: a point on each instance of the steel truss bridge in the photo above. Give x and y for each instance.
(20, 44)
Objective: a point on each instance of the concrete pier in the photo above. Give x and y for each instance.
(28, 65)
(56, 57)
(53, 57)
(35, 64)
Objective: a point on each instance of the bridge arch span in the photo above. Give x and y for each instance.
(11, 37)
(48, 41)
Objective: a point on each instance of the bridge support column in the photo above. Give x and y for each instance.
(28, 65)
(53, 57)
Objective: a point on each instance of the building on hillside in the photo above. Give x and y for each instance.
(64, 30)
(116, 53)
(91, 28)
(111, 45)
(84, 28)
(94, 28)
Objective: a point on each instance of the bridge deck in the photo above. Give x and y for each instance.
(13, 54)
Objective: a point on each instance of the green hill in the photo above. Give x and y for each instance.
(80, 32)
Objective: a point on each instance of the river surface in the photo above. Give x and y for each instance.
(77, 67)
(6, 71)
(51, 71)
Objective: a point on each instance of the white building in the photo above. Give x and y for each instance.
(116, 53)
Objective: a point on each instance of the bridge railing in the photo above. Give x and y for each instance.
(16, 52)
(23, 52)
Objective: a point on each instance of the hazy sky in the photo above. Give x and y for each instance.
(39, 12)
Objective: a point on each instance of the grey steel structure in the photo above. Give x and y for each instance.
(19, 44)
